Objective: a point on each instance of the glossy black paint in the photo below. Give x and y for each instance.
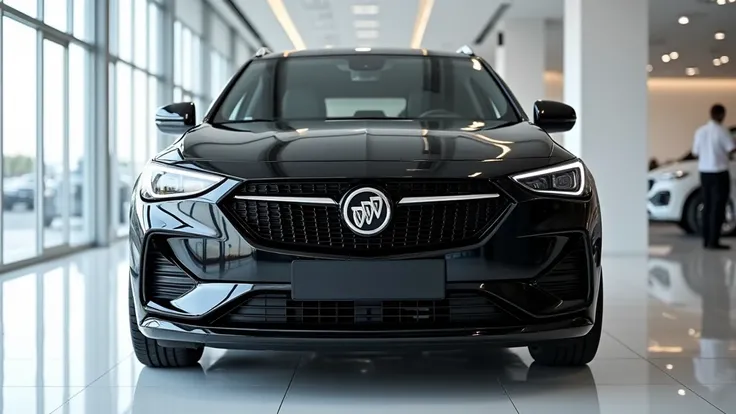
(176, 118)
(554, 116)
(227, 266)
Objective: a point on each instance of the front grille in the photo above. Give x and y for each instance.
(568, 280)
(462, 309)
(415, 227)
(163, 279)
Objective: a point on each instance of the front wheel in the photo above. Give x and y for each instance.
(693, 220)
(574, 351)
(151, 354)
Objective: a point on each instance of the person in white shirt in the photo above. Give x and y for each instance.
(713, 146)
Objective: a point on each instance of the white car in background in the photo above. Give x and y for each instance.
(674, 196)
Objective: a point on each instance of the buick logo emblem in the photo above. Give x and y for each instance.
(366, 211)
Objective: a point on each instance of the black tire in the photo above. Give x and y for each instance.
(150, 354)
(690, 223)
(572, 352)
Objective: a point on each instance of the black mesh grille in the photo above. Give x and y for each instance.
(163, 279)
(277, 310)
(568, 280)
(319, 228)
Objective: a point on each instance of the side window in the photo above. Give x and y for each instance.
(248, 98)
(491, 102)
(247, 105)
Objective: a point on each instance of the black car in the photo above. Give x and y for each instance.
(365, 200)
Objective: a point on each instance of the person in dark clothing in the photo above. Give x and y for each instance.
(713, 146)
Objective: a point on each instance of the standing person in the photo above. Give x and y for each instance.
(713, 146)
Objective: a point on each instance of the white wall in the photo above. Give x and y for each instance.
(676, 108)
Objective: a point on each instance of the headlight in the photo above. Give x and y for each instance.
(567, 179)
(160, 182)
(673, 175)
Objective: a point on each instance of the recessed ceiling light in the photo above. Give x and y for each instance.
(365, 9)
(674, 55)
(666, 58)
(366, 34)
(683, 20)
(328, 46)
(692, 71)
(721, 2)
(365, 24)
(650, 68)
(720, 36)
(362, 49)
(716, 62)
(725, 59)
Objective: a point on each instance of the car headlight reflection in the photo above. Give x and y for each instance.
(159, 182)
(567, 179)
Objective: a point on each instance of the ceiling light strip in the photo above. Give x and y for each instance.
(420, 26)
(282, 15)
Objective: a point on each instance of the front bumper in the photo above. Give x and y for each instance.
(666, 198)
(534, 276)
(183, 335)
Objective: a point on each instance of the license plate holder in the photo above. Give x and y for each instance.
(366, 280)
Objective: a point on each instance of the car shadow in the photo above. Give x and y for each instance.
(406, 378)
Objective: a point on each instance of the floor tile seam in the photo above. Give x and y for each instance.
(291, 381)
(84, 388)
(506, 392)
(667, 374)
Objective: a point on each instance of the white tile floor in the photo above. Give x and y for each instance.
(668, 348)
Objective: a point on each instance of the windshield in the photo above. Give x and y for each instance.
(366, 87)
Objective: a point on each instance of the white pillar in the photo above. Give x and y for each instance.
(520, 59)
(605, 80)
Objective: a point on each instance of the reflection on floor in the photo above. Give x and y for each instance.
(668, 348)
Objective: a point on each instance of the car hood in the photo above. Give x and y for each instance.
(688, 166)
(368, 148)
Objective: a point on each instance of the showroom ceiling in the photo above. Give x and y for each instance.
(447, 24)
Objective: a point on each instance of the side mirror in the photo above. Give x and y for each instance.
(176, 118)
(554, 116)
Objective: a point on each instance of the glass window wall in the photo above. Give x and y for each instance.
(49, 126)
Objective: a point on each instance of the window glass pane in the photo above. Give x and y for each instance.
(153, 104)
(54, 14)
(178, 59)
(19, 141)
(140, 16)
(125, 26)
(29, 7)
(154, 26)
(82, 10)
(140, 115)
(53, 143)
(196, 65)
(177, 95)
(186, 56)
(124, 131)
(79, 173)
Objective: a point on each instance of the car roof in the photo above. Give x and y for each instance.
(361, 51)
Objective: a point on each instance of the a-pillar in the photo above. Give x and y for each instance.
(520, 59)
(605, 80)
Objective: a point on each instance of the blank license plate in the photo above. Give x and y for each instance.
(355, 280)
